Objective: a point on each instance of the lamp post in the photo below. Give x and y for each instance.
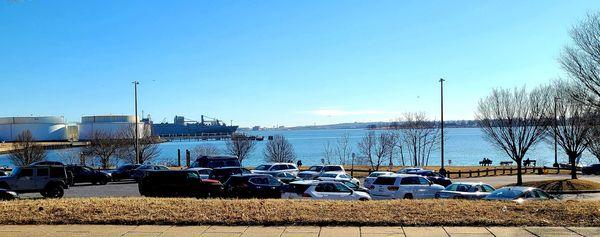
(442, 170)
(137, 151)
(352, 170)
(555, 130)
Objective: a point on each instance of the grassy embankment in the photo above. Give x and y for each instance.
(180, 211)
(558, 185)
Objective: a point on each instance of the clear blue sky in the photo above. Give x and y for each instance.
(274, 62)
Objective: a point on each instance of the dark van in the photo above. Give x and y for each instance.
(216, 162)
(178, 183)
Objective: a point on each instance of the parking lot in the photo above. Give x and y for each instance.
(130, 188)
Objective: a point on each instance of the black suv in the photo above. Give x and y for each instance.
(434, 177)
(216, 162)
(253, 186)
(178, 183)
(592, 169)
(85, 174)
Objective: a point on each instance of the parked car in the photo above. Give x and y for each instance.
(355, 187)
(435, 177)
(276, 168)
(253, 186)
(178, 183)
(314, 189)
(222, 174)
(337, 176)
(203, 172)
(47, 162)
(6, 195)
(464, 190)
(519, 194)
(139, 172)
(408, 169)
(333, 168)
(3, 173)
(50, 181)
(311, 173)
(85, 174)
(372, 176)
(124, 172)
(216, 162)
(404, 186)
(286, 177)
(592, 169)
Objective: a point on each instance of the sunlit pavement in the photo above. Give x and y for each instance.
(278, 231)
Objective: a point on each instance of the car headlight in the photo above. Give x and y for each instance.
(12, 193)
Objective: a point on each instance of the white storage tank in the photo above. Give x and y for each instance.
(48, 128)
(113, 125)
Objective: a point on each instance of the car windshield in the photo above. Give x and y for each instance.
(332, 168)
(376, 174)
(145, 167)
(315, 168)
(263, 167)
(506, 193)
(329, 175)
(459, 187)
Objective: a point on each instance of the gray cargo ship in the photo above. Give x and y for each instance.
(183, 127)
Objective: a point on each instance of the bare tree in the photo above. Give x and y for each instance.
(420, 136)
(581, 61)
(366, 148)
(594, 140)
(574, 123)
(328, 153)
(240, 147)
(343, 150)
(26, 150)
(148, 148)
(70, 156)
(513, 121)
(279, 150)
(104, 146)
(205, 150)
(383, 148)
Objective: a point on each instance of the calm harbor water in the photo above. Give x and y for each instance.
(464, 146)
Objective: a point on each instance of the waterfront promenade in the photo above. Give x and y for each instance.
(285, 231)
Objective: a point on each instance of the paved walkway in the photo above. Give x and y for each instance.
(248, 231)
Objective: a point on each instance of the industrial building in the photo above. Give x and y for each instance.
(48, 128)
(111, 125)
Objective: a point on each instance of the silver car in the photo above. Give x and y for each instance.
(465, 190)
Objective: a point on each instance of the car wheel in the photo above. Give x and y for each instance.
(53, 191)
(103, 182)
(4, 186)
(437, 195)
(408, 196)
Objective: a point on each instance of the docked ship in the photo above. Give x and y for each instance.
(185, 127)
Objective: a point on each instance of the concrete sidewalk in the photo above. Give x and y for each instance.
(184, 231)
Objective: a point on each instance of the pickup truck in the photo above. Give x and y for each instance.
(50, 181)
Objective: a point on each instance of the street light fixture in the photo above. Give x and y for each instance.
(137, 150)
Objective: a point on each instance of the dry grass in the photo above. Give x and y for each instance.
(178, 211)
(564, 185)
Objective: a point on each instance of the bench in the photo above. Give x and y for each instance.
(485, 162)
(506, 163)
(529, 162)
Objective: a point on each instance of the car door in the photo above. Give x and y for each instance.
(342, 192)
(42, 177)
(324, 190)
(25, 179)
(424, 189)
(409, 185)
(273, 187)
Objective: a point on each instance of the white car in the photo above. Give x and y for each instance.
(337, 176)
(371, 178)
(403, 186)
(275, 168)
(311, 173)
(203, 172)
(331, 190)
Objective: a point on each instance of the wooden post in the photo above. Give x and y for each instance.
(495, 171)
(179, 157)
(187, 157)
(459, 173)
(486, 172)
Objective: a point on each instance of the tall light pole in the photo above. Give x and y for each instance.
(555, 131)
(137, 150)
(442, 170)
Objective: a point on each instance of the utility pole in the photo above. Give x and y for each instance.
(442, 170)
(555, 130)
(137, 150)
